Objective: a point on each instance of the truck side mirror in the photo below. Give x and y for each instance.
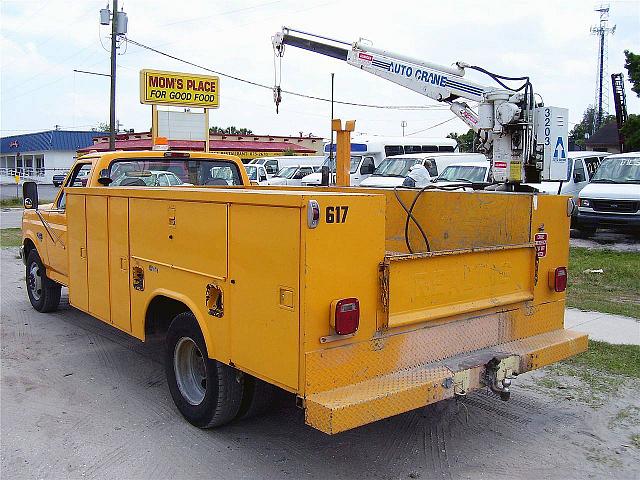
(104, 178)
(367, 169)
(30, 195)
(325, 176)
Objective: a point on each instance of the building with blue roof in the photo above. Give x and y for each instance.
(39, 156)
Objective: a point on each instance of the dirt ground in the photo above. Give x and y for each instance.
(82, 400)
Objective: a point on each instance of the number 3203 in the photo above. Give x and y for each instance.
(336, 214)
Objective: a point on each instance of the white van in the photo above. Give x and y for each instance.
(393, 170)
(581, 167)
(274, 164)
(612, 198)
(257, 173)
(368, 151)
(292, 174)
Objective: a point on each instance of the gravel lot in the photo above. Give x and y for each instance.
(82, 400)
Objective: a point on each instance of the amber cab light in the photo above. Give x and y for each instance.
(347, 316)
(560, 279)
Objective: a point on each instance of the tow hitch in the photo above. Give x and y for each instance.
(497, 378)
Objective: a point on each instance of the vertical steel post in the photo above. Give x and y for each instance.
(343, 150)
(112, 99)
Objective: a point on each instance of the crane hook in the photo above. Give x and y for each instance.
(277, 96)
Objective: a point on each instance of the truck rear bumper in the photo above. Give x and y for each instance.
(343, 408)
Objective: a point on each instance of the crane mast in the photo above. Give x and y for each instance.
(524, 140)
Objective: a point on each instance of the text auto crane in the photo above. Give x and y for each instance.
(525, 140)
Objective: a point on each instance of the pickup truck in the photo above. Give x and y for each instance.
(357, 308)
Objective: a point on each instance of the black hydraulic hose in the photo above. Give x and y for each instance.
(410, 215)
(406, 225)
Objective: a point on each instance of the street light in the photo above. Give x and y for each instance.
(119, 22)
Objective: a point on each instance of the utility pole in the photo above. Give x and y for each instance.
(112, 98)
(403, 124)
(119, 23)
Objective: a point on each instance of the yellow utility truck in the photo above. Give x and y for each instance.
(315, 291)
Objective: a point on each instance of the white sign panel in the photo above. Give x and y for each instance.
(553, 133)
(181, 125)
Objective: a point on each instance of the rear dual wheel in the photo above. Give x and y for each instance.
(208, 393)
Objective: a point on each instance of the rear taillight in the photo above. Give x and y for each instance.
(347, 316)
(558, 279)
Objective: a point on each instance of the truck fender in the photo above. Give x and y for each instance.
(188, 302)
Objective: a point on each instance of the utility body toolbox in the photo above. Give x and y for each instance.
(316, 291)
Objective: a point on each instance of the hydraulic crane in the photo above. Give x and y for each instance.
(524, 140)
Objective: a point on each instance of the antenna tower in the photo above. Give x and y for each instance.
(602, 30)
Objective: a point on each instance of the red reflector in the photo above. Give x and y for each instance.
(347, 317)
(560, 283)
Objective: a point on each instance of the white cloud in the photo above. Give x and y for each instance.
(41, 44)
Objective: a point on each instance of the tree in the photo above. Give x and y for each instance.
(101, 127)
(632, 64)
(230, 131)
(631, 132)
(465, 141)
(578, 133)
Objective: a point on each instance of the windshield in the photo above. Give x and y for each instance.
(252, 172)
(463, 173)
(618, 170)
(286, 172)
(353, 166)
(395, 167)
(168, 171)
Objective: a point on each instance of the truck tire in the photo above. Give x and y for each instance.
(208, 393)
(44, 293)
(257, 397)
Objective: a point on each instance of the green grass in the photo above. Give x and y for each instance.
(11, 202)
(10, 237)
(610, 358)
(595, 376)
(617, 290)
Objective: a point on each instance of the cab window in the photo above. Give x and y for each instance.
(78, 178)
(271, 166)
(173, 171)
(578, 171)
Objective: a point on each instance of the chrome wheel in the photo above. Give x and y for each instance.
(34, 281)
(190, 370)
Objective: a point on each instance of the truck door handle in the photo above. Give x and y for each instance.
(83, 252)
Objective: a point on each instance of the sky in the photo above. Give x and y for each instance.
(43, 41)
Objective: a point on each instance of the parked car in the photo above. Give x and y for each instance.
(393, 170)
(581, 168)
(257, 173)
(274, 164)
(368, 151)
(612, 198)
(148, 178)
(292, 175)
(58, 178)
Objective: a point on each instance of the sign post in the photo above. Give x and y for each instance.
(178, 90)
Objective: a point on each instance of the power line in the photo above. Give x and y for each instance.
(261, 85)
(432, 126)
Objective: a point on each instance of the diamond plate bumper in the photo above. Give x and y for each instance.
(339, 409)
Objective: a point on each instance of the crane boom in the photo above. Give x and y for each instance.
(519, 145)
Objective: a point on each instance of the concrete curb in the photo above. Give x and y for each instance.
(604, 326)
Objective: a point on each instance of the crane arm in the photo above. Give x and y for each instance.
(516, 133)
